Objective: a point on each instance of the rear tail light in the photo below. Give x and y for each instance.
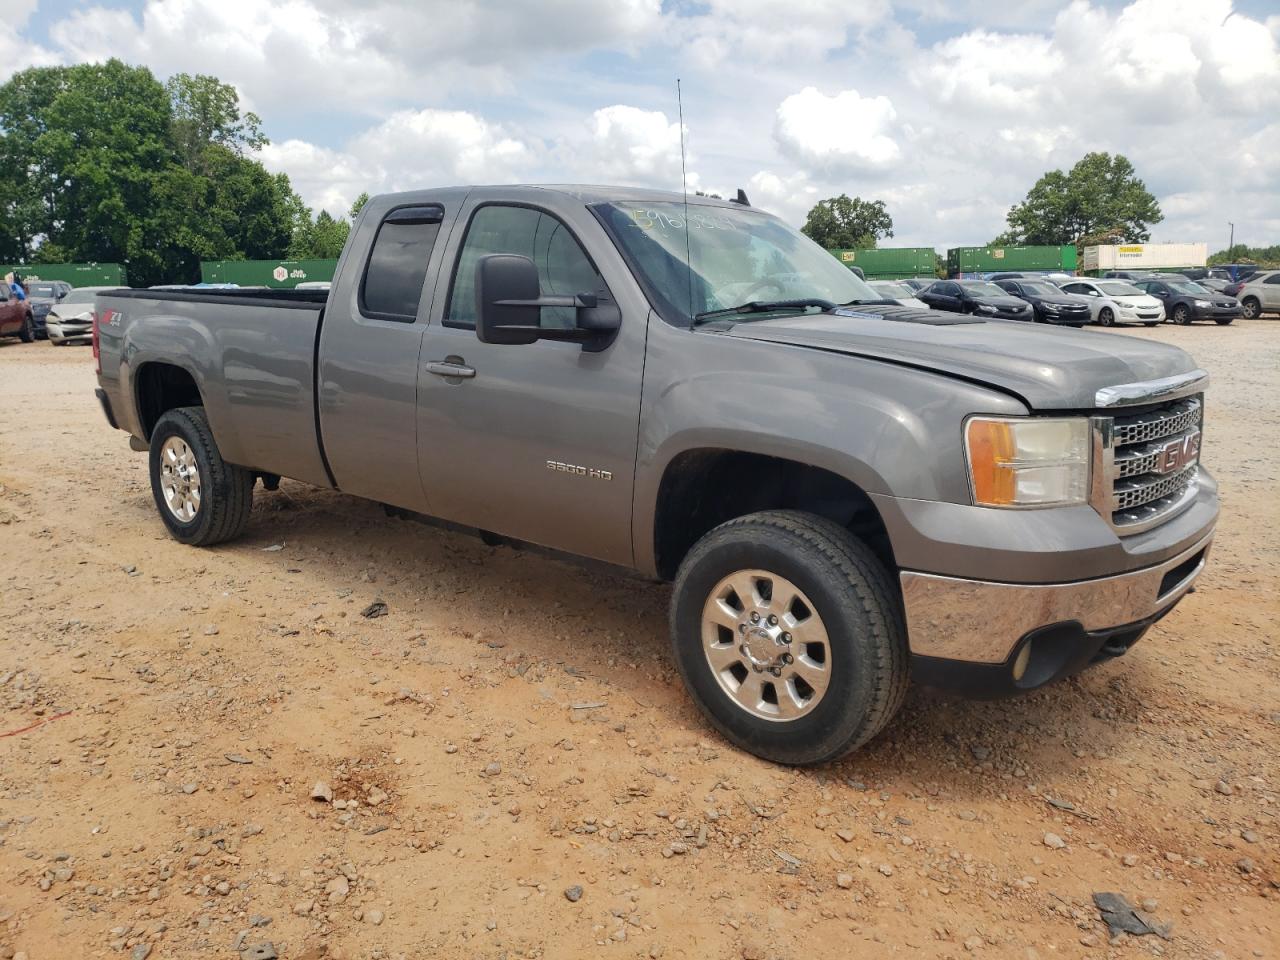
(97, 343)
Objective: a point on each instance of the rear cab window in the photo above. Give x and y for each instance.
(391, 286)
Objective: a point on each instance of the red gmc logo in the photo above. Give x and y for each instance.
(1176, 454)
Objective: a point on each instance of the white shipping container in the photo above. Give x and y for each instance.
(1145, 256)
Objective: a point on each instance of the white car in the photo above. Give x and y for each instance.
(1261, 294)
(898, 292)
(1116, 301)
(71, 320)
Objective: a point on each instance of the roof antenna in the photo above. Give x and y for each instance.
(684, 187)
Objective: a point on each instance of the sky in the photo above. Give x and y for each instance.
(947, 110)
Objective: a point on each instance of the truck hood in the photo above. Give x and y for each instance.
(1049, 368)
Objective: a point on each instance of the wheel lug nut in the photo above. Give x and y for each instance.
(776, 671)
(755, 617)
(742, 628)
(786, 638)
(773, 620)
(786, 658)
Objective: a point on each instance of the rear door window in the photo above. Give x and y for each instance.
(391, 287)
(564, 269)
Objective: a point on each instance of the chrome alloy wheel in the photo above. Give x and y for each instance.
(180, 479)
(766, 645)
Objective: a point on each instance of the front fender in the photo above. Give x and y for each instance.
(886, 428)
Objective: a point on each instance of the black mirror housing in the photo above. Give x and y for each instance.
(506, 298)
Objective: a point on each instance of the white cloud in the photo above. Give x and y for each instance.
(631, 146)
(839, 135)
(16, 52)
(762, 30)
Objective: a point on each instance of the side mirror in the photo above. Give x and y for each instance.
(506, 299)
(509, 304)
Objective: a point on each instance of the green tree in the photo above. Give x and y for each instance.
(1101, 196)
(358, 205)
(842, 222)
(102, 162)
(1241, 253)
(206, 112)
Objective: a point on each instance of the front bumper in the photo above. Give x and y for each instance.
(1140, 315)
(61, 330)
(985, 621)
(1215, 313)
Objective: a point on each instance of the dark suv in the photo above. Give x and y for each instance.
(975, 296)
(1185, 301)
(1048, 303)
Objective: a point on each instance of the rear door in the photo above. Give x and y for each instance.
(371, 339)
(534, 441)
(1270, 292)
(943, 295)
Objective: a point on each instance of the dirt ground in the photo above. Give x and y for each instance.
(516, 771)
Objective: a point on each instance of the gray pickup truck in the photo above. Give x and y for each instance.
(845, 492)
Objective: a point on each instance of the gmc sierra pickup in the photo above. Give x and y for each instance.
(846, 492)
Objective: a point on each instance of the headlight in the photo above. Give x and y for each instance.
(986, 308)
(1050, 307)
(1028, 462)
(1203, 303)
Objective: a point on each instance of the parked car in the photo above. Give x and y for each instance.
(1216, 284)
(918, 283)
(43, 294)
(16, 316)
(1048, 303)
(1185, 301)
(975, 296)
(71, 321)
(846, 493)
(1115, 301)
(898, 292)
(1260, 294)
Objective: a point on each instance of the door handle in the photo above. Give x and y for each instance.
(452, 368)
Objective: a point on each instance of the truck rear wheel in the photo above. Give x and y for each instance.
(28, 332)
(789, 636)
(202, 499)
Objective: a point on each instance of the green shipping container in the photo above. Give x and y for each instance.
(890, 263)
(284, 274)
(965, 261)
(76, 274)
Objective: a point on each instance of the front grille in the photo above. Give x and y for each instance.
(1150, 463)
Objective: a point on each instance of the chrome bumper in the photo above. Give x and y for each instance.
(981, 622)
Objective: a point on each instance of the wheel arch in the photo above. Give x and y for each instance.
(160, 386)
(702, 487)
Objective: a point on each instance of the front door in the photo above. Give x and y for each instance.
(536, 441)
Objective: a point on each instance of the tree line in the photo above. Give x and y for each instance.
(1100, 200)
(102, 162)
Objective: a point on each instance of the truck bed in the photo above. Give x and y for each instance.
(251, 353)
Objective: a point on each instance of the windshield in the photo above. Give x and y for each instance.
(1041, 289)
(894, 291)
(737, 256)
(1115, 288)
(80, 296)
(42, 290)
(980, 288)
(1186, 286)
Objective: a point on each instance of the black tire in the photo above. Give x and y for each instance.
(1107, 317)
(28, 331)
(1181, 315)
(1223, 321)
(226, 490)
(859, 606)
(1251, 308)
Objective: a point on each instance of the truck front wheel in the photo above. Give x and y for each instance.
(788, 634)
(202, 499)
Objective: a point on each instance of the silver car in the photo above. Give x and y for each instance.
(898, 292)
(71, 320)
(1260, 294)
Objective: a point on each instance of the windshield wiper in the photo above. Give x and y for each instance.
(764, 306)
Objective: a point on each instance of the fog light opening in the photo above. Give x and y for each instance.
(1020, 662)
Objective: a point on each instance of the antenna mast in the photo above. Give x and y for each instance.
(684, 187)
